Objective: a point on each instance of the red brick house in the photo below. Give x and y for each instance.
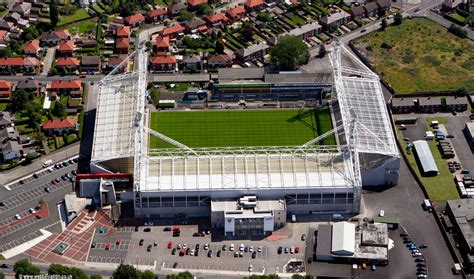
(122, 32)
(172, 31)
(162, 44)
(163, 64)
(156, 15)
(254, 5)
(66, 48)
(115, 62)
(67, 64)
(216, 19)
(18, 64)
(219, 61)
(235, 14)
(72, 88)
(53, 37)
(5, 89)
(122, 45)
(59, 126)
(135, 20)
(192, 4)
(32, 48)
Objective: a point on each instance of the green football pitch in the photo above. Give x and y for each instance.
(241, 127)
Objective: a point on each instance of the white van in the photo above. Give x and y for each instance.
(47, 163)
(427, 204)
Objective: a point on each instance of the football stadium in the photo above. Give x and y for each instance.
(249, 170)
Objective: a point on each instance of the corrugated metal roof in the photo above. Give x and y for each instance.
(423, 152)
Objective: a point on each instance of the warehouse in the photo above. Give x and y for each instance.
(425, 158)
(469, 131)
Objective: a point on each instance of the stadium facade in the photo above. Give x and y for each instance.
(306, 179)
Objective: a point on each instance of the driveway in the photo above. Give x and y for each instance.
(48, 60)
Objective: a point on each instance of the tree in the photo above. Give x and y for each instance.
(19, 100)
(148, 274)
(458, 31)
(185, 15)
(181, 275)
(289, 53)
(58, 110)
(57, 269)
(247, 30)
(30, 33)
(461, 92)
(322, 50)
(24, 267)
(95, 276)
(2, 276)
(53, 12)
(384, 24)
(125, 271)
(204, 9)
(78, 273)
(398, 19)
(264, 17)
(219, 47)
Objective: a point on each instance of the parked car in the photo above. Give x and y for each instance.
(303, 237)
(254, 255)
(5, 266)
(166, 229)
(147, 229)
(107, 246)
(280, 249)
(224, 247)
(197, 246)
(173, 251)
(209, 253)
(93, 245)
(206, 246)
(218, 253)
(259, 249)
(141, 242)
(287, 250)
(242, 247)
(297, 249)
(17, 216)
(232, 247)
(170, 245)
(175, 265)
(382, 213)
(148, 249)
(47, 190)
(422, 246)
(236, 254)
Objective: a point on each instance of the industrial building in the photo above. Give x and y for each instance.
(425, 158)
(469, 132)
(223, 182)
(353, 243)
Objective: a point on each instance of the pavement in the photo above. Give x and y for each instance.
(446, 23)
(48, 60)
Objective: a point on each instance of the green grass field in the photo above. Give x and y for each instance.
(241, 127)
(79, 14)
(420, 56)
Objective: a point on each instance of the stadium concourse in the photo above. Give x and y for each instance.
(302, 164)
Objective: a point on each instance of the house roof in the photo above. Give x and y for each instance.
(172, 30)
(21, 7)
(18, 61)
(5, 84)
(192, 59)
(195, 23)
(66, 45)
(235, 11)
(65, 84)
(122, 31)
(371, 6)
(134, 18)
(243, 52)
(357, 10)
(304, 29)
(5, 118)
(216, 18)
(59, 123)
(122, 43)
(27, 84)
(195, 3)
(177, 7)
(6, 24)
(219, 58)
(32, 46)
(90, 60)
(383, 3)
(156, 12)
(55, 35)
(340, 14)
(253, 3)
(163, 60)
(15, 16)
(162, 42)
(67, 61)
(116, 60)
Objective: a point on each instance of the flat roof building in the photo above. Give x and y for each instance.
(461, 213)
(425, 158)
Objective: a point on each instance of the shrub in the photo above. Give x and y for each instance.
(458, 31)
(386, 45)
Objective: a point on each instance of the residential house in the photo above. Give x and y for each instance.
(384, 5)
(219, 61)
(10, 149)
(66, 48)
(172, 31)
(162, 44)
(193, 4)
(13, 18)
(156, 15)
(255, 51)
(122, 32)
(3, 37)
(216, 20)
(91, 64)
(135, 20)
(305, 31)
(52, 38)
(160, 64)
(23, 8)
(235, 14)
(357, 12)
(5, 119)
(122, 45)
(402, 105)
(114, 62)
(72, 88)
(192, 63)
(254, 5)
(371, 9)
(428, 104)
(193, 24)
(29, 86)
(456, 103)
(59, 126)
(5, 89)
(67, 64)
(335, 19)
(6, 25)
(452, 4)
(176, 9)
(32, 48)
(18, 64)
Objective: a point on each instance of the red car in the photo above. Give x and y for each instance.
(117, 241)
(297, 249)
(170, 245)
(53, 181)
(176, 230)
(182, 251)
(107, 246)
